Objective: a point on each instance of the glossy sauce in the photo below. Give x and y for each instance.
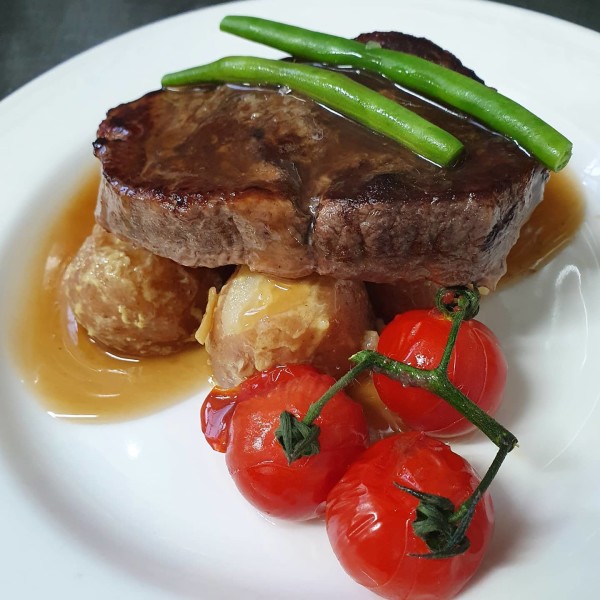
(240, 138)
(74, 377)
(553, 224)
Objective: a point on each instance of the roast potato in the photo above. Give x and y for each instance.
(132, 301)
(259, 321)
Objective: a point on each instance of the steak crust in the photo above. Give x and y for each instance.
(237, 175)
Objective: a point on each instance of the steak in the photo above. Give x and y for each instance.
(219, 175)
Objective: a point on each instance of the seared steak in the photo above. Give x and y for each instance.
(237, 175)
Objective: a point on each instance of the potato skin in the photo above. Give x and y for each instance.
(132, 301)
(260, 321)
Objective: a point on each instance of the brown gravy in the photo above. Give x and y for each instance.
(74, 377)
(549, 229)
(77, 379)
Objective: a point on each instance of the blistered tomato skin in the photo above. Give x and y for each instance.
(369, 520)
(256, 460)
(477, 367)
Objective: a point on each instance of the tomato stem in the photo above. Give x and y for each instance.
(315, 408)
(435, 525)
(456, 309)
(296, 438)
(436, 381)
(301, 438)
(465, 508)
(439, 525)
(455, 299)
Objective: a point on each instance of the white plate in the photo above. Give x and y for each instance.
(143, 509)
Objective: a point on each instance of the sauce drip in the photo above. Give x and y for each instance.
(74, 377)
(552, 225)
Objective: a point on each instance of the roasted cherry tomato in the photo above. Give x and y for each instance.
(477, 367)
(369, 520)
(242, 422)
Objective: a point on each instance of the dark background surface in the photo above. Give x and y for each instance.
(36, 35)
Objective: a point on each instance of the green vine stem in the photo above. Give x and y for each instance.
(438, 522)
(293, 434)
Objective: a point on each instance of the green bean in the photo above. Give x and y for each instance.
(491, 108)
(337, 92)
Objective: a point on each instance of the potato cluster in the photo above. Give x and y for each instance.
(140, 304)
(133, 301)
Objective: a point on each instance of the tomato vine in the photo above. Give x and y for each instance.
(437, 518)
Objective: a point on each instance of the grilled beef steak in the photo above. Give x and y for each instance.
(237, 175)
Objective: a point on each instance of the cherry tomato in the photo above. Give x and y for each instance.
(477, 367)
(369, 520)
(254, 457)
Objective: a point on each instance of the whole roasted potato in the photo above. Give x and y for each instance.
(133, 301)
(260, 321)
